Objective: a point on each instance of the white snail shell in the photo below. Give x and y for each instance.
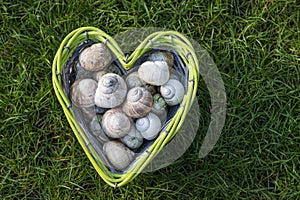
(111, 91)
(154, 73)
(118, 154)
(149, 126)
(138, 102)
(97, 130)
(96, 57)
(83, 92)
(133, 139)
(116, 123)
(97, 75)
(173, 92)
(162, 56)
(133, 80)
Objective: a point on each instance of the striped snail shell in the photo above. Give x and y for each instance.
(138, 102)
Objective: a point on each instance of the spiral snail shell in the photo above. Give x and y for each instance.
(138, 102)
(133, 139)
(115, 123)
(173, 92)
(149, 126)
(133, 80)
(111, 91)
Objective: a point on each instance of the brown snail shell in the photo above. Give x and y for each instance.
(96, 57)
(138, 102)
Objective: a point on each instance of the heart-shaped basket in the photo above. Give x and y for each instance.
(64, 72)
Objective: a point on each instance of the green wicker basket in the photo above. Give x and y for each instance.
(68, 52)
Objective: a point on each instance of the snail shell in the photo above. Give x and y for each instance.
(97, 130)
(159, 107)
(162, 56)
(154, 73)
(149, 126)
(133, 139)
(83, 92)
(111, 91)
(115, 123)
(133, 80)
(97, 75)
(118, 154)
(110, 69)
(96, 57)
(173, 92)
(138, 102)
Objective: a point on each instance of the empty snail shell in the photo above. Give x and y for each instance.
(133, 80)
(115, 123)
(118, 154)
(96, 57)
(111, 91)
(162, 56)
(97, 75)
(133, 139)
(154, 73)
(173, 92)
(149, 126)
(97, 130)
(83, 92)
(138, 102)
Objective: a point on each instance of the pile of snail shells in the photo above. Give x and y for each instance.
(133, 109)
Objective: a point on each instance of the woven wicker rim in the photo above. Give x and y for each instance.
(170, 39)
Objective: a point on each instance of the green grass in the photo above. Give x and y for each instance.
(256, 47)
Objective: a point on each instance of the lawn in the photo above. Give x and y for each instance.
(256, 47)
